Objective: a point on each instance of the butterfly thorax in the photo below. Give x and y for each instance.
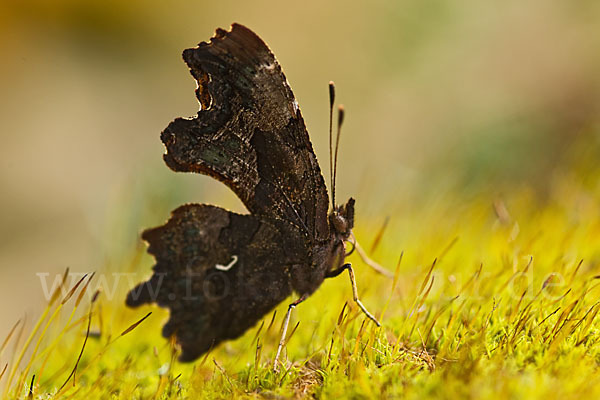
(328, 255)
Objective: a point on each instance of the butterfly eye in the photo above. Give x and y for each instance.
(339, 223)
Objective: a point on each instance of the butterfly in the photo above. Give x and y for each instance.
(220, 272)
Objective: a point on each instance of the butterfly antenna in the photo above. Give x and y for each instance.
(331, 101)
(337, 145)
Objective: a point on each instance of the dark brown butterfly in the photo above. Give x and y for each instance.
(220, 272)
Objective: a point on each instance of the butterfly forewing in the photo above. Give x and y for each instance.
(250, 133)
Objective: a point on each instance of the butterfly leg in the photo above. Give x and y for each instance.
(365, 258)
(284, 329)
(348, 267)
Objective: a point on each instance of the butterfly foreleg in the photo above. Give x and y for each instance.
(284, 329)
(348, 267)
(367, 260)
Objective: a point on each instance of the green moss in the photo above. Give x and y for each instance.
(508, 311)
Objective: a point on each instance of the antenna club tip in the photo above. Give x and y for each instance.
(341, 114)
(331, 94)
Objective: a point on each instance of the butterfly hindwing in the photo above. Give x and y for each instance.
(218, 272)
(250, 133)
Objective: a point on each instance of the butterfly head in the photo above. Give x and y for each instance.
(341, 219)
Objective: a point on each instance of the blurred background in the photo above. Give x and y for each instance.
(463, 97)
